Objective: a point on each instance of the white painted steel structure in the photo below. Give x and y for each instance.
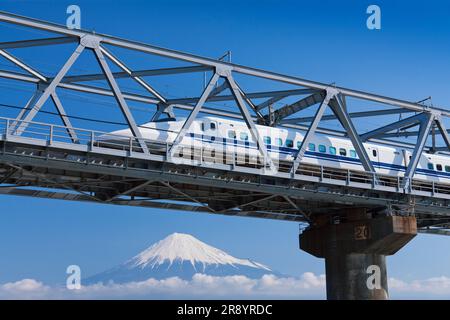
(147, 172)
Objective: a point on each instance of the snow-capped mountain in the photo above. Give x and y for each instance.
(180, 255)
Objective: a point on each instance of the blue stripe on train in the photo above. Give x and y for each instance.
(313, 155)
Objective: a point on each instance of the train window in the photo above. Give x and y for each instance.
(312, 147)
(289, 143)
(299, 144)
(430, 166)
(447, 168)
(212, 126)
(322, 148)
(439, 167)
(342, 152)
(353, 153)
(374, 152)
(244, 136)
(232, 134)
(332, 150)
(278, 142)
(267, 140)
(202, 126)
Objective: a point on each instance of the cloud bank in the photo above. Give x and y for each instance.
(308, 286)
(201, 286)
(435, 288)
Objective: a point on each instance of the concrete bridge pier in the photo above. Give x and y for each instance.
(355, 245)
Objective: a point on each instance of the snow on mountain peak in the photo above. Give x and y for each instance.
(180, 255)
(184, 247)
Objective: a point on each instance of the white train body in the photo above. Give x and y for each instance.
(224, 135)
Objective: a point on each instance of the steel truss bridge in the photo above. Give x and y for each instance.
(57, 160)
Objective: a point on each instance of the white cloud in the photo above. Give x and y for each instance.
(308, 286)
(436, 287)
(199, 287)
(24, 285)
(24, 289)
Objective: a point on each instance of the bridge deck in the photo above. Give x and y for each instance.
(45, 162)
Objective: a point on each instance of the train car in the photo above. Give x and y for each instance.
(224, 136)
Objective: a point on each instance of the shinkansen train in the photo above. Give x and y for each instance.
(222, 135)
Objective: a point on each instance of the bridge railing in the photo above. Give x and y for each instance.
(202, 154)
(52, 134)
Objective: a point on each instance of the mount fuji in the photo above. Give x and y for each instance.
(179, 255)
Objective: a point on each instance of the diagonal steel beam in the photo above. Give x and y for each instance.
(361, 114)
(39, 91)
(65, 119)
(409, 126)
(163, 108)
(269, 102)
(249, 102)
(249, 122)
(22, 65)
(312, 129)
(131, 190)
(406, 134)
(295, 206)
(342, 100)
(120, 99)
(217, 90)
(290, 109)
(253, 202)
(138, 79)
(444, 132)
(167, 184)
(426, 122)
(292, 203)
(413, 120)
(36, 42)
(252, 95)
(400, 134)
(8, 175)
(346, 122)
(50, 89)
(433, 138)
(193, 115)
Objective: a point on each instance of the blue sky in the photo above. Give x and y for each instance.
(324, 41)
